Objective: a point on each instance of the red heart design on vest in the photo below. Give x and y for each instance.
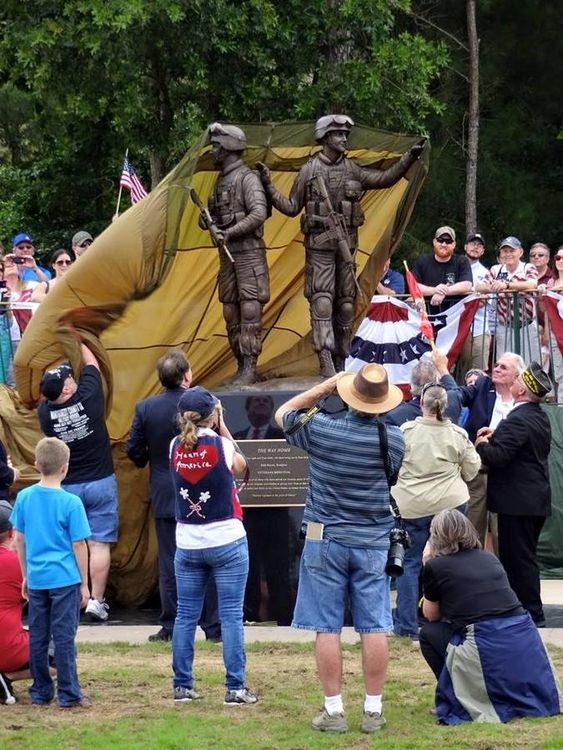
(194, 465)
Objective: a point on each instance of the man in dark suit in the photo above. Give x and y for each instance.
(154, 426)
(422, 373)
(516, 454)
(489, 400)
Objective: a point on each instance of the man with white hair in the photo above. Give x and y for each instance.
(489, 401)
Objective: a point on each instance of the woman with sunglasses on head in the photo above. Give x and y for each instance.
(61, 261)
(555, 285)
(439, 460)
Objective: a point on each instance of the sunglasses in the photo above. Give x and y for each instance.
(63, 262)
(432, 384)
(443, 241)
(86, 243)
(24, 247)
(558, 257)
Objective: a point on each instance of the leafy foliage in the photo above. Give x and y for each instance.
(82, 80)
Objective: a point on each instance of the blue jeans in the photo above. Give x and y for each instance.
(331, 575)
(56, 612)
(405, 614)
(228, 564)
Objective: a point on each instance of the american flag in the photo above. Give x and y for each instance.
(130, 181)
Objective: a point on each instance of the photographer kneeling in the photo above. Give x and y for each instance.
(489, 660)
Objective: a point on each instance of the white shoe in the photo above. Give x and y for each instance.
(97, 610)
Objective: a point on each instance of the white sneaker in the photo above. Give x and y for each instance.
(97, 610)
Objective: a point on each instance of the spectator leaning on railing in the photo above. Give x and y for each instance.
(442, 275)
(511, 274)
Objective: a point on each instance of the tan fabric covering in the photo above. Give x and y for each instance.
(148, 282)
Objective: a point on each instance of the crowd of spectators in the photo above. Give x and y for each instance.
(493, 470)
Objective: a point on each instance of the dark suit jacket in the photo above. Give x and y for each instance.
(272, 433)
(480, 399)
(409, 410)
(516, 456)
(154, 426)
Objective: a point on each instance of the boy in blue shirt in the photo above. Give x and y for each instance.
(51, 532)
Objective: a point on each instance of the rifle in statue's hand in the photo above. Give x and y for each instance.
(337, 226)
(216, 234)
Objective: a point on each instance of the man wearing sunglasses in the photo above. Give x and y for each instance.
(328, 184)
(23, 252)
(442, 275)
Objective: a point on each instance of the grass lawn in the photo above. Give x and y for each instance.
(130, 687)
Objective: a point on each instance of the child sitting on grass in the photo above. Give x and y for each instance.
(51, 532)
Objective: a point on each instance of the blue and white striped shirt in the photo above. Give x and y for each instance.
(348, 490)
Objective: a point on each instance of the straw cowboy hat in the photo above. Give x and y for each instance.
(368, 390)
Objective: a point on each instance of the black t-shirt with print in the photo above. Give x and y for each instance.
(470, 586)
(80, 423)
(427, 270)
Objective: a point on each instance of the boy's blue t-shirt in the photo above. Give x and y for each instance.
(50, 520)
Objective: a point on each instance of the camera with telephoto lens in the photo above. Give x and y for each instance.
(400, 542)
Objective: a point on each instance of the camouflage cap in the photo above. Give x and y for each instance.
(328, 123)
(229, 137)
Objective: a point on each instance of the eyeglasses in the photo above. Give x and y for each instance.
(442, 241)
(538, 255)
(63, 262)
(24, 247)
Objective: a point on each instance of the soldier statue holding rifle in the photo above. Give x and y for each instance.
(237, 212)
(329, 187)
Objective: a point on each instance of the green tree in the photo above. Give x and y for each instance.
(99, 76)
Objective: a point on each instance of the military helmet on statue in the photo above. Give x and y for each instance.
(328, 123)
(229, 137)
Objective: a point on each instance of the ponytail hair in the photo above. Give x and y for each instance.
(434, 400)
(189, 422)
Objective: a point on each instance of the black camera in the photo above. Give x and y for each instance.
(400, 542)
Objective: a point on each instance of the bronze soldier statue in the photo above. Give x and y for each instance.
(239, 208)
(329, 187)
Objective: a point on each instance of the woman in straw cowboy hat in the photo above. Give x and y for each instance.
(348, 520)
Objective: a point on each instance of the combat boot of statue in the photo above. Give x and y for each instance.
(326, 364)
(247, 374)
(339, 363)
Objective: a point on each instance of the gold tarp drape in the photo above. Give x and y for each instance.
(149, 283)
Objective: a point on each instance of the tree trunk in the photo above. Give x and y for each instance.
(473, 121)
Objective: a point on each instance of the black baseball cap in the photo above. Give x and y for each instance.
(476, 237)
(52, 382)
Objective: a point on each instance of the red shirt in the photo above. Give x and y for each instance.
(14, 640)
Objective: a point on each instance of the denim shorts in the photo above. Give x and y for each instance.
(331, 576)
(101, 504)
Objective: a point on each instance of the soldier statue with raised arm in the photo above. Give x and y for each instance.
(329, 187)
(238, 209)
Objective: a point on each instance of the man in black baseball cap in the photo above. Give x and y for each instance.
(74, 412)
(53, 382)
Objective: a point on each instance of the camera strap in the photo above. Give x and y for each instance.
(391, 477)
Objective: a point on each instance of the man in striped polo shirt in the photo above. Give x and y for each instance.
(348, 520)
(513, 311)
